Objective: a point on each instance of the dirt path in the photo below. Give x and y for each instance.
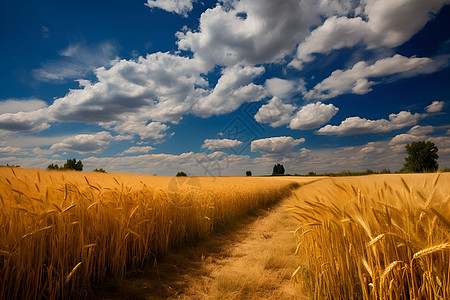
(252, 260)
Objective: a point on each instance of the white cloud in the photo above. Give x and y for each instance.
(275, 112)
(310, 116)
(250, 31)
(31, 121)
(221, 144)
(181, 7)
(137, 96)
(313, 115)
(153, 130)
(280, 88)
(275, 145)
(334, 33)
(76, 61)
(357, 125)
(416, 133)
(160, 87)
(142, 149)
(355, 80)
(434, 107)
(86, 143)
(234, 88)
(7, 150)
(18, 105)
(386, 23)
(395, 22)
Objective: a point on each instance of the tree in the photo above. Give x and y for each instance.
(101, 170)
(181, 173)
(385, 171)
(248, 173)
(73, 164)
(278, 170)
(312, 173)
(421, 157)
(52, 167)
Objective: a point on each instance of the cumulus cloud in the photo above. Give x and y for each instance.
(159, 87)
(275, 112)
(31, 121)
(434, 107)
(386, 23)
(76, 61)
(233, 88)
(275, 145)
(7, 150)
(86, 143)
(221, 144)
(181, 7)
(134, 149)
(281, 88)
(358, 126)
(334, 33)
(310, 116)
(137, 96)
(416, 133)
(313, 115)
(21, 105)
(250, 31)
(356, 79)
(395, 22)
(153, 130)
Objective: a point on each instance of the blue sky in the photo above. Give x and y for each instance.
(221, 87)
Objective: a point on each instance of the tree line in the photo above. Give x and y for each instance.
(422, 157)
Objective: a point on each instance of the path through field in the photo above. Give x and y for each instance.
(252, 260)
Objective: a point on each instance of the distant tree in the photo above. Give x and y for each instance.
(312, 174)
(422, 156)
(369, 172)
(181, 173)
(101, 170)
(248, 173)
(53, 167)
(73, 164)
(278, 170)
(385, 171)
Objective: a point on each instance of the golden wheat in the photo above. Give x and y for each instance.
(62, 232)
(375, 237)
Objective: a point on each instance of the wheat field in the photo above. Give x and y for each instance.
(62, 233)
(374, 237)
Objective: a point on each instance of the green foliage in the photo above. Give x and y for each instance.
(278, 170)
(73, 164)
(385, 171)
(349, 173)
(248, 173)
(421, 157)
(101, 170)
(181, 173)
(53, 167)
(312, 174)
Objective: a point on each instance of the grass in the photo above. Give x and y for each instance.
(62, 233)
(377, 237)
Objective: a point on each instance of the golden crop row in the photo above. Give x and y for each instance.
(63, 231)
(375, 237)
